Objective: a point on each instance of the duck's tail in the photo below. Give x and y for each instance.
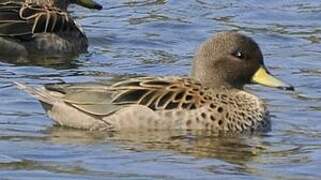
(39, 93)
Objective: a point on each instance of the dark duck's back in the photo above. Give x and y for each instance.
(39, 27)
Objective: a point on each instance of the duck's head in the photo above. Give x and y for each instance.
(90, 4)
(231, 60)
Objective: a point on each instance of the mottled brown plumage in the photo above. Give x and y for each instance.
(211, 99)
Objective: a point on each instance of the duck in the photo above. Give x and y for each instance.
(211, 99)
(41, 27)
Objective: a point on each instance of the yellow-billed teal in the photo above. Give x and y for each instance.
(41, 27)
(212, 98)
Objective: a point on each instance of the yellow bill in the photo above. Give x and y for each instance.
(263, 77)
(89, 4)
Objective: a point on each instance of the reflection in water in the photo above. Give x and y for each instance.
(236, 150)
(238, 154)
(63, 62)
(217, 155)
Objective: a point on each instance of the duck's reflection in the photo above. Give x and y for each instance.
(236, 150)
(56, 62)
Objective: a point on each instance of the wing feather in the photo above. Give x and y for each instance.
(156, 93)
(159, 93)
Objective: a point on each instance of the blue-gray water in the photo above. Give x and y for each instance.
(137, 37)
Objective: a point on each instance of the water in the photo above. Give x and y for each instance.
(152, 37)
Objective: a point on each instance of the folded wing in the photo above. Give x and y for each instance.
(155, 93)
(22, 20)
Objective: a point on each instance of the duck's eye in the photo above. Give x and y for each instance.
(238, 53)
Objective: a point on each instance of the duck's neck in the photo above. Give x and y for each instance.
(214, 82)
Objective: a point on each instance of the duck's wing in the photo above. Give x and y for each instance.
(162, 93)
(22, 20)
(92, 98)
(155, 93)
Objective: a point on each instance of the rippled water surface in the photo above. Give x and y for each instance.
(133, 37)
